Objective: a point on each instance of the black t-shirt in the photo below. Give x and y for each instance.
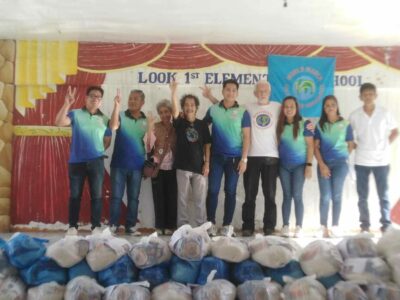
(190, 140)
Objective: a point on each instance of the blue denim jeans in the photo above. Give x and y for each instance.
(77, 172)
(381, 174)
(292, 181)
(222, 165)
(331, 189)
(132, 179)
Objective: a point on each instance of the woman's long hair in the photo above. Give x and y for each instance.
(324, 117)
(283, 120)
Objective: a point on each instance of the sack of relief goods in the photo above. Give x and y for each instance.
(122, 271)
(43, 271)
(357, 246)
(6, 269)
(389, 243)
(83, 287)
(105, 250)
(155, 275)
(259, 289)
(366, 270)
(150, 251)
(49, 291)
(210, 263)
(11, 287)
(346, 290)
(68, 251)
(229, 249)
(81, 269)
(387, 291)
(184, 271)
(220, 289)
(191, 243)
(273, 251)
(134, 291)
(305, 288)
(394, 264)
(171, 291)
(320, 258)
(292, 269)
(246, 270)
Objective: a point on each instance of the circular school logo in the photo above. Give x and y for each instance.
(263, 119)
(305, 87)
(192, 135)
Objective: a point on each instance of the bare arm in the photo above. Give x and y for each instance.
(106, 142)
(350, 146)
(393, 135)
(206, 166)
(61, 118)
(310, 154)
(321, 164)
(175, 109)
(114, 121)
(208, 94)
(245, 149)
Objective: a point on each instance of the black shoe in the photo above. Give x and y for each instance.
(247, 232)
(268, 231)
(132, 231)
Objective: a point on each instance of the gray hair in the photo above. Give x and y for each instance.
(164, 103)
(260, 82)
(140, 92)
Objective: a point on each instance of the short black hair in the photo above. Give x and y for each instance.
(94, 88)
(230, 81)
(140, 92)
(367, 86)
(190, 96)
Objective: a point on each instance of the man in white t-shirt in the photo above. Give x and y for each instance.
(374, 130)
(262, 158)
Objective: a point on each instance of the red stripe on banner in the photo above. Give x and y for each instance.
(108, 56)
(386, 55)
(185, 56)
(256, 55)
(346, 59)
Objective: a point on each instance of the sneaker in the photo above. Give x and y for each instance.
(285, 231)
(213, 230)
(335, 232)
(227, 230)
(247, 232)
(168, 232)
(160, 231)
(268, 231)
(322, 232)
(72, 231)
(133, 231)
(298, 232)
(97, 230)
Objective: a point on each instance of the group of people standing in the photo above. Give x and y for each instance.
(262, 139)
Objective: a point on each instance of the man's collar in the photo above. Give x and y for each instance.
(98, 111)
(221, 103)
(129, 115)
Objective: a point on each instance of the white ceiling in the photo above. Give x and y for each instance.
(322, 22)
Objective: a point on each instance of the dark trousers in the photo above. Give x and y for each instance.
(94, 171)
(164, 195)
(267, 168)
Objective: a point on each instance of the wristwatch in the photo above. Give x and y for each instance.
(244, 160)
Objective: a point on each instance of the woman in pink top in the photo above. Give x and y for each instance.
(161, 142)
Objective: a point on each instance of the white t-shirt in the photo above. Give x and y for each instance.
(264, 119)
(371, 134)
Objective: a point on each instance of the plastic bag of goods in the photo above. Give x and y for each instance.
(218, 289)
(210, 263)
(357, 246)
(292, 269)
(259, 289)
(136, 291)
(394, 264)
(389, 243)
(366, 270)
(105, 250)
(273, 251)
(191, 243)
(346, 290)
(6, 269)
(83, 287)
(320, 258)
(23, 250)
(330, 281)
(81, 269)
(155, 275)
(171, 291)
(43, 271)
(246, 270)
(12, 288)
(184, 271)
(49, 291)
(386, 291)
(150, 251)
(305, 288)
(229, 249)
(122, 271)
(68, 251)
